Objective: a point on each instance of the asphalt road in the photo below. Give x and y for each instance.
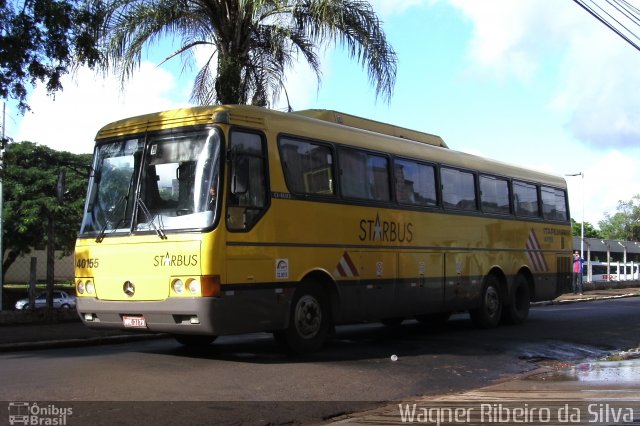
(248, 380)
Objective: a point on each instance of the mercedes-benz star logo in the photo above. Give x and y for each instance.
(128, 288)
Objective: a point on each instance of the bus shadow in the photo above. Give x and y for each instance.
(355, 342)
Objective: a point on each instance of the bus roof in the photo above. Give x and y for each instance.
(372, 126)
(203, 115)
(331, 126)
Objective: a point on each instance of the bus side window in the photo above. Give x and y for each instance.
(415, 183)
(308, 166)
(526, 199)
(458, 189)
(554, 205)
(494, 195)
(364, 176)
(248, 189)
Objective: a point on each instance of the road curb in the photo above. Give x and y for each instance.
(584, 299)
(90, 341)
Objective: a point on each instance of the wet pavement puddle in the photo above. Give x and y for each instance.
(621, 368)
(607, 371)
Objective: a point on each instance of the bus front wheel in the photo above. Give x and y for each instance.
(309, 322)
(488, 314)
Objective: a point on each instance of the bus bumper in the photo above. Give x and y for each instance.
(203, 316)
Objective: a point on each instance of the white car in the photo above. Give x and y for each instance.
(61, 299)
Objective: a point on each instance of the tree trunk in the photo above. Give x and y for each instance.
(229, 81)
(50, 260)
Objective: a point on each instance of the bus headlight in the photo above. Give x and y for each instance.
(86, 286)
(194, 286)
(178, 286)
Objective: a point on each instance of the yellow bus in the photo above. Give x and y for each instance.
(220, 220)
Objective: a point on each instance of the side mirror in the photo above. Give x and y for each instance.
(60, 187)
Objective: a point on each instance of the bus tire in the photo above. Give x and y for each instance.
(309, 321)
(194, 340)
(518, 309)
(488, 314)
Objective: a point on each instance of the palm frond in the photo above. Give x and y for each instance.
(202, 92)
(254, 42)
(356, 26)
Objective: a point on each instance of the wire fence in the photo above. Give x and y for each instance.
(19, 271)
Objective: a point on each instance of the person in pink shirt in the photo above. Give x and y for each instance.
(577, 273)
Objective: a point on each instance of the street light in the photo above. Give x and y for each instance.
(581, 174)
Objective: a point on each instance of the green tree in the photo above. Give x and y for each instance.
(589, 230)
(625, 224)
(29, 178)
(251, 42)
(42, 40)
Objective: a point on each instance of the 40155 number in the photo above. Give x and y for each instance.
(87, 263)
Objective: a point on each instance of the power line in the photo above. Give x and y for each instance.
(620, 16)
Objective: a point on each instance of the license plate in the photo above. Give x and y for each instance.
(134, 322)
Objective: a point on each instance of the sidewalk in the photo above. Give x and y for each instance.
(67, 333)
(577, 394)
(597, 294)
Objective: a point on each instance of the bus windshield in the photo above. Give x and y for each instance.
(154, 183)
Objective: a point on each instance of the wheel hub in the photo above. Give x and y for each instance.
(492, 301)
(308, 317)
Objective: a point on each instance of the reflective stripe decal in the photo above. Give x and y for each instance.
(345, 267)
(534, 253)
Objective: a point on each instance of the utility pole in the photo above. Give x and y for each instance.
(2, 143)
(581, 174)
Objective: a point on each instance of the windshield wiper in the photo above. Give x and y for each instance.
(150, 218)
(109, 218)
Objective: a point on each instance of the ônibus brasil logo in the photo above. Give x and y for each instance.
(31, 413)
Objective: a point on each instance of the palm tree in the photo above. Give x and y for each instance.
(251, 42)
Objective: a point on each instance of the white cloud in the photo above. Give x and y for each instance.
(600, 93)
(597, 81)
(613, 177)
(500, 31)
(386, 8)
(69, 121)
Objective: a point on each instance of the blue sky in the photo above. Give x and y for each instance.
(537, 83)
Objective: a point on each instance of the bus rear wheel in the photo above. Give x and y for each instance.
(309, 321)
(518, 309)
(488, 314)
(194, 340)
